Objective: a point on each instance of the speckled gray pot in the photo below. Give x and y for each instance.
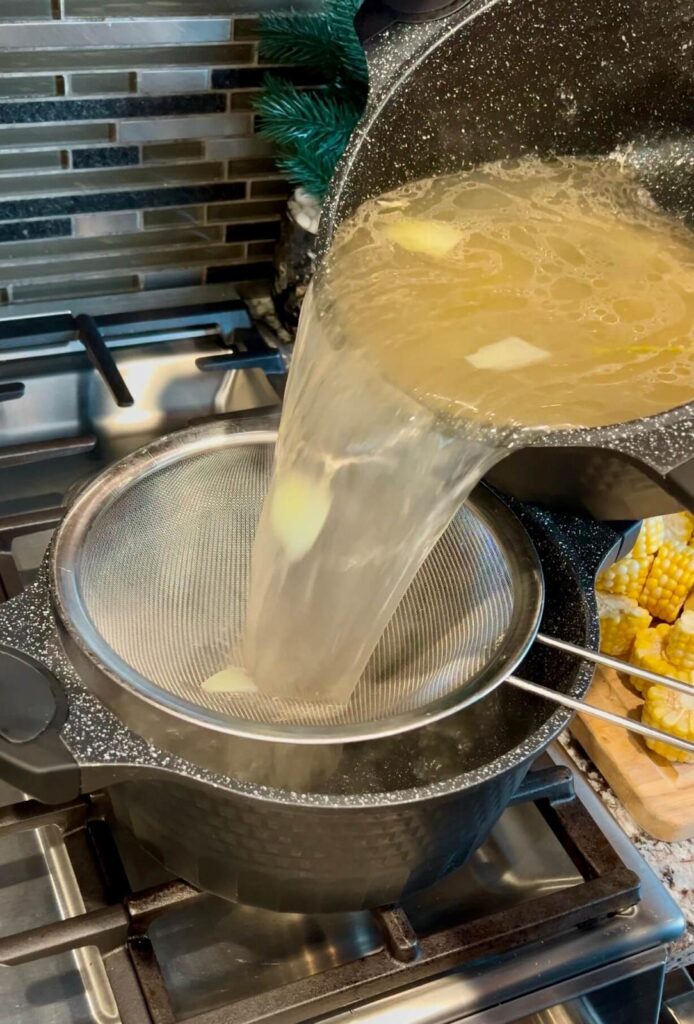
(318, 859)
(349, 839)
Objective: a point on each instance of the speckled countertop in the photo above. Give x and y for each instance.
(673, 863)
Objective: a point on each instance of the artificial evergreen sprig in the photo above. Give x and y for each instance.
(311, 127)
(340, 16)
(309, 119)
(312, 173)
(301, 40)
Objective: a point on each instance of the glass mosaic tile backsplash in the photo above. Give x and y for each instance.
(128, 153)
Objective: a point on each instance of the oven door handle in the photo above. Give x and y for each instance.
(33, 708)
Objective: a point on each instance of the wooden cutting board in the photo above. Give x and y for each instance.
(659, 794)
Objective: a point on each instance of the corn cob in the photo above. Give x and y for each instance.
(679, 645)
(679, 526)
(688, 605)
(648, 651)
(674, 713)
(669, 580)
(620, 621)
(651, 536)
(626, 577)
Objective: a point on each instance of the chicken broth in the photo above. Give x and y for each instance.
(449, 316)
(545, 294)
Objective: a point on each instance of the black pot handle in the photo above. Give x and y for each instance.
(554, 783)
(33, 708)
(665, 451)
(376, 15)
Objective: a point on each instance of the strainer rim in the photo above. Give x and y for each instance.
(122, 679)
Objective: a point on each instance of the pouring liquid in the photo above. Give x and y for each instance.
(450, 316)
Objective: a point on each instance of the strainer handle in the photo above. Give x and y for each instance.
(607, 661)
(33, 707)
(607, 716)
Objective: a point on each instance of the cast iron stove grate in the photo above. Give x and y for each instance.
(117, 921)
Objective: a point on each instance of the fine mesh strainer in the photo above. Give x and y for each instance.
(151, 567)
(150, 570)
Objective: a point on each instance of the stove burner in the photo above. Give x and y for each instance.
(412, 949)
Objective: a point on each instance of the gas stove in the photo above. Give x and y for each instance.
(81, 389)
(555, 918)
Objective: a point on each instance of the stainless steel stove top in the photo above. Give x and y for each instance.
(475, 948)
(220, 962)
(179, 355)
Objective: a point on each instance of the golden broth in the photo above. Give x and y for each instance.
(569, 256)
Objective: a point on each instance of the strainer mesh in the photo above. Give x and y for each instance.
(164, 570)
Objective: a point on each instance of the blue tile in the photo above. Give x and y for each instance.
(23, 230)
(118, 107)
(98, 202)
(105, 156)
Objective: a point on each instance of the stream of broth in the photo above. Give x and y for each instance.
(450, 316)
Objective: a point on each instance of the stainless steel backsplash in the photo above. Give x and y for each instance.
(128, 154)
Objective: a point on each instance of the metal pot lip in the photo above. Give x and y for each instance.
(524, 753)
(609, 435)
(119, 677)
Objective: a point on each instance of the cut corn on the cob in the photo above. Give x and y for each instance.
(672, 712)
(657, 579)
(669, 581)
(620, 621)
(679, 645)
(626, 576)
(651, 536)
(648, 651)
(679, 527)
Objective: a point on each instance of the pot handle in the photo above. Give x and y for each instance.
(554, 783)
(374, 16)
(666, 453)
(33, 708)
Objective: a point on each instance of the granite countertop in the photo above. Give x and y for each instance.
(673, 863)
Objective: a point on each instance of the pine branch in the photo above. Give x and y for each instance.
(325, 41)
(300, 39)
(293, 117)
(340, 16)
(312, 170)
(311, 128)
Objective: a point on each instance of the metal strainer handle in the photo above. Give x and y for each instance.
(590, 709)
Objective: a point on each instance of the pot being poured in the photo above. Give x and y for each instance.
(501, 80)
